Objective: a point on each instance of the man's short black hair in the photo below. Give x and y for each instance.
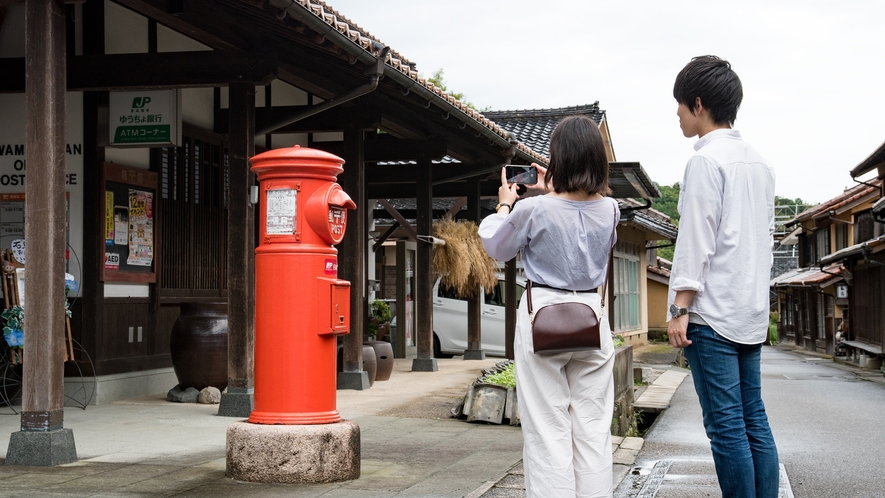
(577, 157)
(715, 82)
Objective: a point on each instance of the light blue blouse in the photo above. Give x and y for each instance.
(564, 243)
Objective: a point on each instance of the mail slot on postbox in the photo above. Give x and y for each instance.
(300, 303)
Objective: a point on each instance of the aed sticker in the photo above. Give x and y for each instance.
(112, 260)
(281, 211)
(331, 267)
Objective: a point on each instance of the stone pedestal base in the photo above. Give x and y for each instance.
(474, 354)
(293, 453)
(358, 381)
(236, 403)
(43, 449)
(424, 365)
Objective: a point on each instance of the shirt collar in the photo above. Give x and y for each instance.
(720, 133)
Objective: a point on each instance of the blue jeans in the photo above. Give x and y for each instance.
(729, 385)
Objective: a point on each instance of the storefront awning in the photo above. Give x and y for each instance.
(872, 245)
(805, 277)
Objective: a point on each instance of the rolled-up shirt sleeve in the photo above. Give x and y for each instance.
(700, 209)
(503, 235)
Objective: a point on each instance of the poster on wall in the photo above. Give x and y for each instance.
(141, 228)
(129, 224)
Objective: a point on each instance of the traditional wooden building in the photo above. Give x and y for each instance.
(814, 301)
(864, 268)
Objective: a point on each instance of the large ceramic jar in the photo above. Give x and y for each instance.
(199, 346)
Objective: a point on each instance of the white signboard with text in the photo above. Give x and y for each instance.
(145, 118)
(13, 174)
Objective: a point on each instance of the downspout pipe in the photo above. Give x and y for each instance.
(318, 25)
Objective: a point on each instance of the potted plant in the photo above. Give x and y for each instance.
(379, 322)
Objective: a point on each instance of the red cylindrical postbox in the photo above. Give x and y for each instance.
(300, 304)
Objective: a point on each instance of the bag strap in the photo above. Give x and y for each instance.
(528, 285)
(611, 250)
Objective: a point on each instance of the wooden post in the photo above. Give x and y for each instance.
(352, 260)
(474, 305)
(425, 362)
(239, 398)
(509, 308)
(43, 440)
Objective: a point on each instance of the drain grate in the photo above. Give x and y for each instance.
(655, 479)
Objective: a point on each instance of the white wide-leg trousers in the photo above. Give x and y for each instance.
(565, 406)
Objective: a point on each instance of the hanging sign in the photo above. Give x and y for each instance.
(145, 118)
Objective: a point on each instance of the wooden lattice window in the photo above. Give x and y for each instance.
(193, 203)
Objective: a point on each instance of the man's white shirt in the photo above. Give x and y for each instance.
(726, 227)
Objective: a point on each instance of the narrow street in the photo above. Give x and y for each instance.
(826, 419)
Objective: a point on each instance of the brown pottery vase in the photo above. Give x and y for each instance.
(199, 346)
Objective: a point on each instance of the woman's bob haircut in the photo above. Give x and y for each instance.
(577, 157)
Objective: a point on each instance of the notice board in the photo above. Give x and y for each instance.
(129, 224)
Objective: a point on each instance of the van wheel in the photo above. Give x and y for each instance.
(437, 351)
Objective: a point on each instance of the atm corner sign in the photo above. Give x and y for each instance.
(145, 118)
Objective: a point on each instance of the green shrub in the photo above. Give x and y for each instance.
(506, 377)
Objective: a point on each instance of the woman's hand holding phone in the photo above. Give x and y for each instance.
(541, 187)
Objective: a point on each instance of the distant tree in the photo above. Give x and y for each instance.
(667, 204)
(438, 79)
(668, 201)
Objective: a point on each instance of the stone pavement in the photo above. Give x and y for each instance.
(148, 447)
(410, 445)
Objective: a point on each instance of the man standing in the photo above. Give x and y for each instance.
(719, 282)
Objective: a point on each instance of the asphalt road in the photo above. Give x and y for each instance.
(826, 418)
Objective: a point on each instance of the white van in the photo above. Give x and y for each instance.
(450, 319)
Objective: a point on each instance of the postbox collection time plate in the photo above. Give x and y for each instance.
(281, 211)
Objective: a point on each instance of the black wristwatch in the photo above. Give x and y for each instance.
(676, 311)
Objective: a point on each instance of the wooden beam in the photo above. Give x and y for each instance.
(442, 173)
(334, 119)
(403, 222)
(188, 22)
(409, 190)
(163, 70)
(396, 150)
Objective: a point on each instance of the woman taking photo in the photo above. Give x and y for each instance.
(565, 399)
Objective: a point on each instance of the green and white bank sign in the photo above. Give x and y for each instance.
(145, 118)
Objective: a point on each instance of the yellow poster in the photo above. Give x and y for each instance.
(109, 218)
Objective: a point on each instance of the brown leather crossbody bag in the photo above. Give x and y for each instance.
(570, 326)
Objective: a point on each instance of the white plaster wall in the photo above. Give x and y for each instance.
(282, 93)
(12, 33)
(196, 106)
(125, 32)
(169, 40)
(286, 140)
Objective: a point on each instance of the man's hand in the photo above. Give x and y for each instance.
(676, 332)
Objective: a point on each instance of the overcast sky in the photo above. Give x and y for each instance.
(812, 71)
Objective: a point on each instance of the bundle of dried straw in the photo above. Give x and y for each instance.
(462, 262)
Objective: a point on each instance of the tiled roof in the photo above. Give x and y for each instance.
(848, 198)
(872, 245)
(534, 126)
(371, 45)
(804, 277)
(870, 163)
